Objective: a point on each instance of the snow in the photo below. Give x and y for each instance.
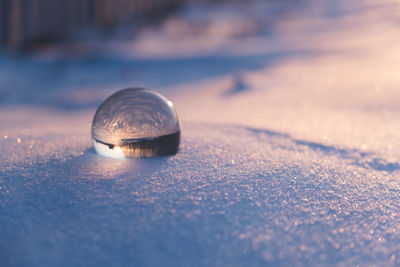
(289, 153)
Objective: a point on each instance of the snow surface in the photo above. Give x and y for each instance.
(289, 154)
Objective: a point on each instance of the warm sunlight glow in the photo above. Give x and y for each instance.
(105, 151)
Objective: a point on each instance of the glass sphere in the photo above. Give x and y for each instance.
(136, 122)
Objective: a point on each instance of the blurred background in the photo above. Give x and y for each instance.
(33, 24)
(29, 24)
(71, 54)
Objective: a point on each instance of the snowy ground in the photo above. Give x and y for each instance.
(289, 152)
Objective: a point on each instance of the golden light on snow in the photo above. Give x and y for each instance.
(106, 151)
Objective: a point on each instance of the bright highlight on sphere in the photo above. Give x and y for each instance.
(136, 122)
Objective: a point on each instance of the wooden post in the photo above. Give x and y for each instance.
(5, 6)
(15, 24)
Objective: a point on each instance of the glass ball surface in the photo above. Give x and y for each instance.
(136, 122)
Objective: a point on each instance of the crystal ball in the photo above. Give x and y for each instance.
(136, 122)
